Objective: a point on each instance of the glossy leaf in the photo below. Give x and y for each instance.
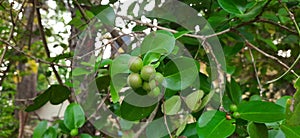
(162, 42)
(105, 13)
(40, 129)
(134, 113)
(180, 34)
(213, 124)
(118, 70)
(85, 136)
(180, 73)
(193, 100)
(235, 92)
(151, 57)
(171, 106)
(293, 118)
(74, 116)
(50, 133)
(63, 127)
(59, 94)
(257, 130)
(190, 131)
(261, 112)
(290, 131)
(253, 12)
(39, 101)
(282, 101)
(103, 82)
(80, 71)
(233, 6)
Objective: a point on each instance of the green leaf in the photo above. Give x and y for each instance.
(74, 116)
(293, 109)
(233, 6)
(134, 113)
(180, 73)
(139, 28)
(162, 42)
(235, 92)
(261, 112)
(257, 130)
(40, 129)
(282, 101)
(59, 94)
(180, 34)
(171, 106)
(253, 12)
(85, 136)
(118, 72)
(50, 133)
(80, 71)
(190, 131)
(60, 56)
(276, 133)
(103, 82)
(193, 100)
(39, 101)
(269, 42)
(151, 57)
(105, 13)
(63, 127)
(290, 131)
(213, 124)
(294, 118)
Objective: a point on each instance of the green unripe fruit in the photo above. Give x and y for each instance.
(233, 108)
(135, 64)
(152, 84)
(147, 72)
(159, 77)
(146, 86)
(74, 132)
(236, 115)
(155, 92)
(134, 81)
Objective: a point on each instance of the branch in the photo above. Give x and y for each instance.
(298, 58)
(41, 28)
(30, 56)
(256, 73)
(202, 37)
(279, 25)
(151, 117)
(264, 53)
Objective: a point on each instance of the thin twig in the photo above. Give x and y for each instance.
(250, 45)
(298, 58)
(41, 28)
(32, 57)
(277, 24)
(143, 127)
(165, 120)
(256, 73)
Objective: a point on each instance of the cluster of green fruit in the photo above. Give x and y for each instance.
(233, 108)
(144, 77)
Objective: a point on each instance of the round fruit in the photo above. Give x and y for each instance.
(155, 92)
(152, 84)
(74, 132)
(147, 72)
(159, 77)
(134, 80)
(233, 108)
(146, 86)
(236, 115)
(135, 64)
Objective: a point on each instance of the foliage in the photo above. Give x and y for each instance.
(259, 42)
